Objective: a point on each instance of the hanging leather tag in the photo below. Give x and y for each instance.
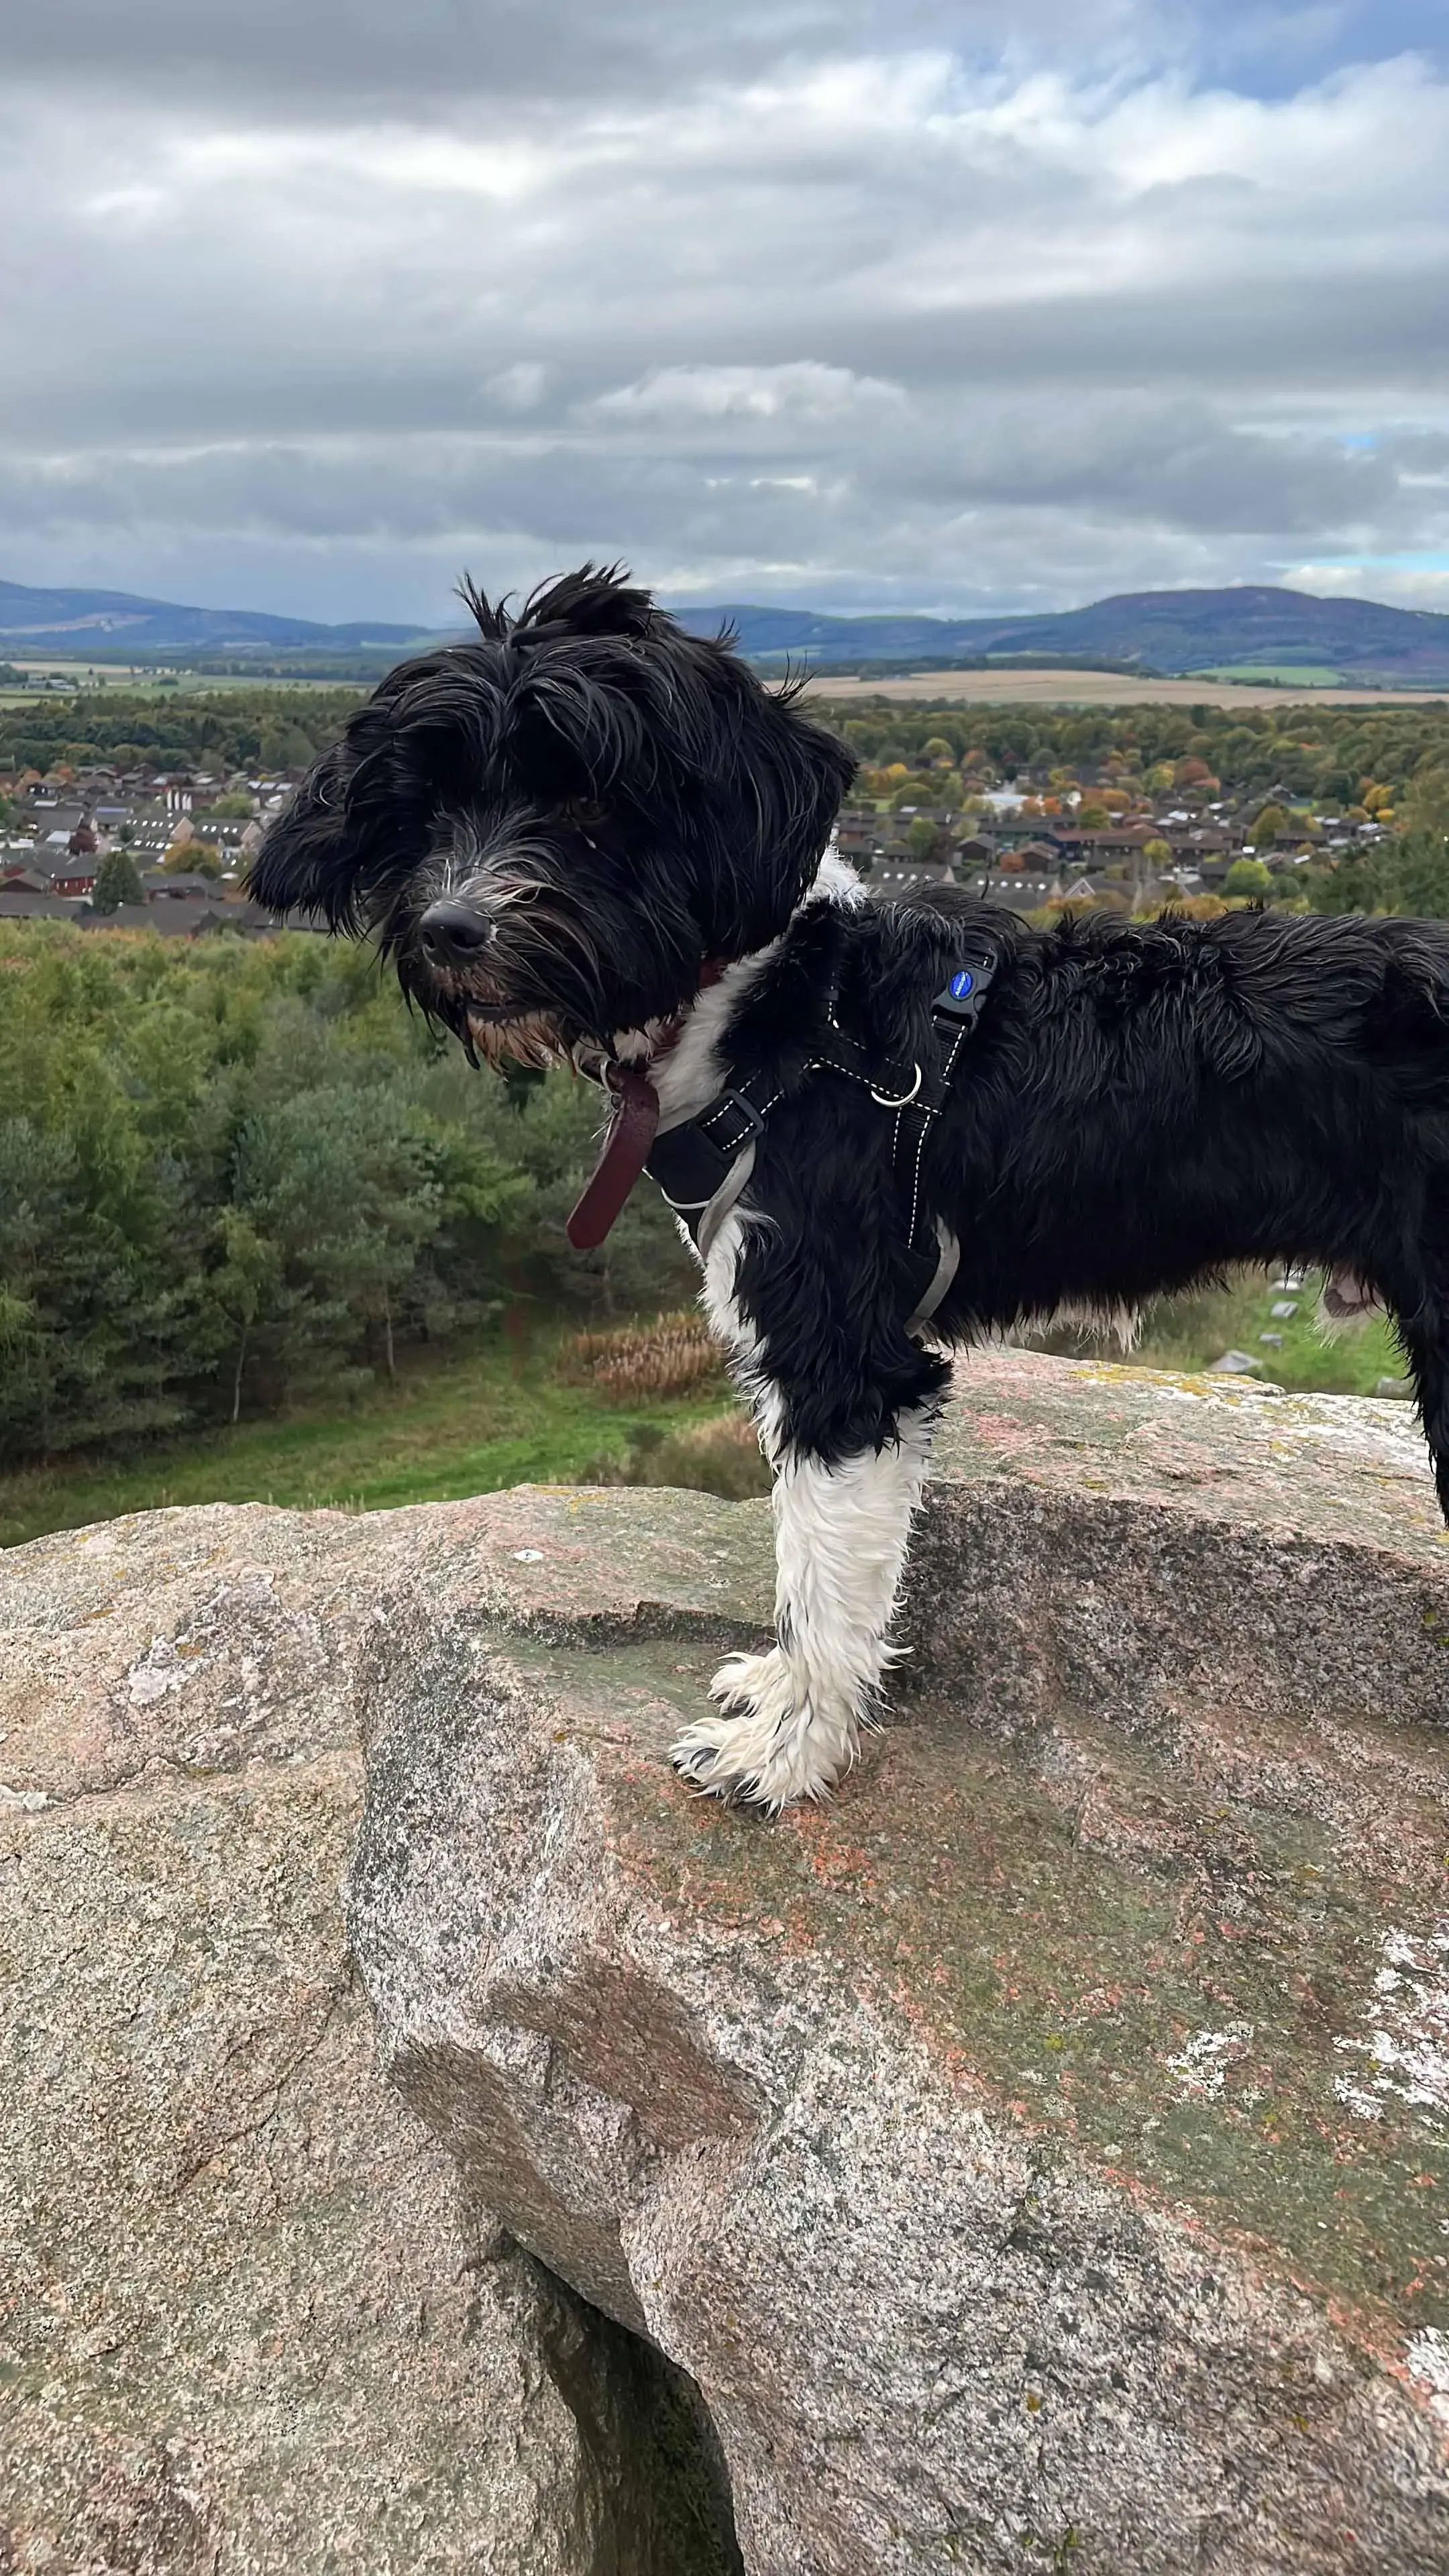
(622, 1159)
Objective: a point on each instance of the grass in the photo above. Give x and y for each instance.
(172, 681)
(469, 1424)
(1288, 675)
(639, 1406)
(1191, 1332)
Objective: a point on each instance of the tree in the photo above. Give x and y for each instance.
(1158, 854)
(1425, 805)
(1354, 883)
(1419, 878)
(1248, 876)
(117, 882)
(285, 746)
(192, 858)
(1418, 865)
(927, 840)
(1271, 827)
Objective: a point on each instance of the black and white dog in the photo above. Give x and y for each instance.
(590, 836)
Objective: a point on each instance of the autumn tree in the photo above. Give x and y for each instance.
(1271, 827)
(1248, 876)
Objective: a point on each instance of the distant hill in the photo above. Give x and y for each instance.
(1173, 631)
(1276, 632)
(112, 623)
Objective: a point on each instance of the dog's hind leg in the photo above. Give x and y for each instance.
(1426, 1343)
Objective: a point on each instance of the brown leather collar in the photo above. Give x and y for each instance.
(631, 1130)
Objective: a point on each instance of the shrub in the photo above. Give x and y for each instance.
(667, 1357)
(721, 1456)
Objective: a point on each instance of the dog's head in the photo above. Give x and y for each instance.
(549, 830)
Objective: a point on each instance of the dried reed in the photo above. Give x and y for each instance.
(667, 1357)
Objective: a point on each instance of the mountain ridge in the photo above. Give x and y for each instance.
(38, 620)
(1176, 632)
(1172, 631)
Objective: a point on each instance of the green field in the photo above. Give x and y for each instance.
(479, 1420)
(1190, 1332)
(497, 1415)
(1286, 675)
(87, 680)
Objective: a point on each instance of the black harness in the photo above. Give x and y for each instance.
(702, 1165)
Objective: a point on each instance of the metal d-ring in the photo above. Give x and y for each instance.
(883, 1102)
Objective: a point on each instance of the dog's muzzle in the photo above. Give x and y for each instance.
(454, 935)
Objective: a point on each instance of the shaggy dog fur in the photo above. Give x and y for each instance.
(560, 831)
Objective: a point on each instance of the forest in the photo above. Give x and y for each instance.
(237, 1175)
(1325, 755)
(224, 731)
(1354, 761)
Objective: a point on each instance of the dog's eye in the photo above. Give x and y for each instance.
(583, 811)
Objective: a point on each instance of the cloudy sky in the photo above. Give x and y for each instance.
(309, 304)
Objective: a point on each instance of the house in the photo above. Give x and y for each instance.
(18, 904)
(55, 820)
(160, 885)
(192, 917)
(1025, 891)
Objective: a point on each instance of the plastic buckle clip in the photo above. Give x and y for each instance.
(961, 998)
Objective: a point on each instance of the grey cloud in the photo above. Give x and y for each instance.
(970, 336)
(339, 56)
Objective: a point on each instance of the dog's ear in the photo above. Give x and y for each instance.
(824, 767)
(310, 859)
(794, 773)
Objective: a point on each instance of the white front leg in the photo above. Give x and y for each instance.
(790, 1721)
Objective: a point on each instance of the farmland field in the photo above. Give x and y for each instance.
(1282, 675)
(1099, 689)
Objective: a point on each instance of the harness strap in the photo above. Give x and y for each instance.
(702, 1165)
(955, 1015)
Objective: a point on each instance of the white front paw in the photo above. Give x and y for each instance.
(772, 1742)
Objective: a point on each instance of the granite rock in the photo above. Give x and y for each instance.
(1036, 2158)
(1039, 2156)
(248, 2319)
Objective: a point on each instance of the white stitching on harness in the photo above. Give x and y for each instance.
(925, 1128)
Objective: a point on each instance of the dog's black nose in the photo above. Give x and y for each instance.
(454, 933)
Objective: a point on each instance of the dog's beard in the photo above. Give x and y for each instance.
(535, 1041)
(536, 992)
(543, 991)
